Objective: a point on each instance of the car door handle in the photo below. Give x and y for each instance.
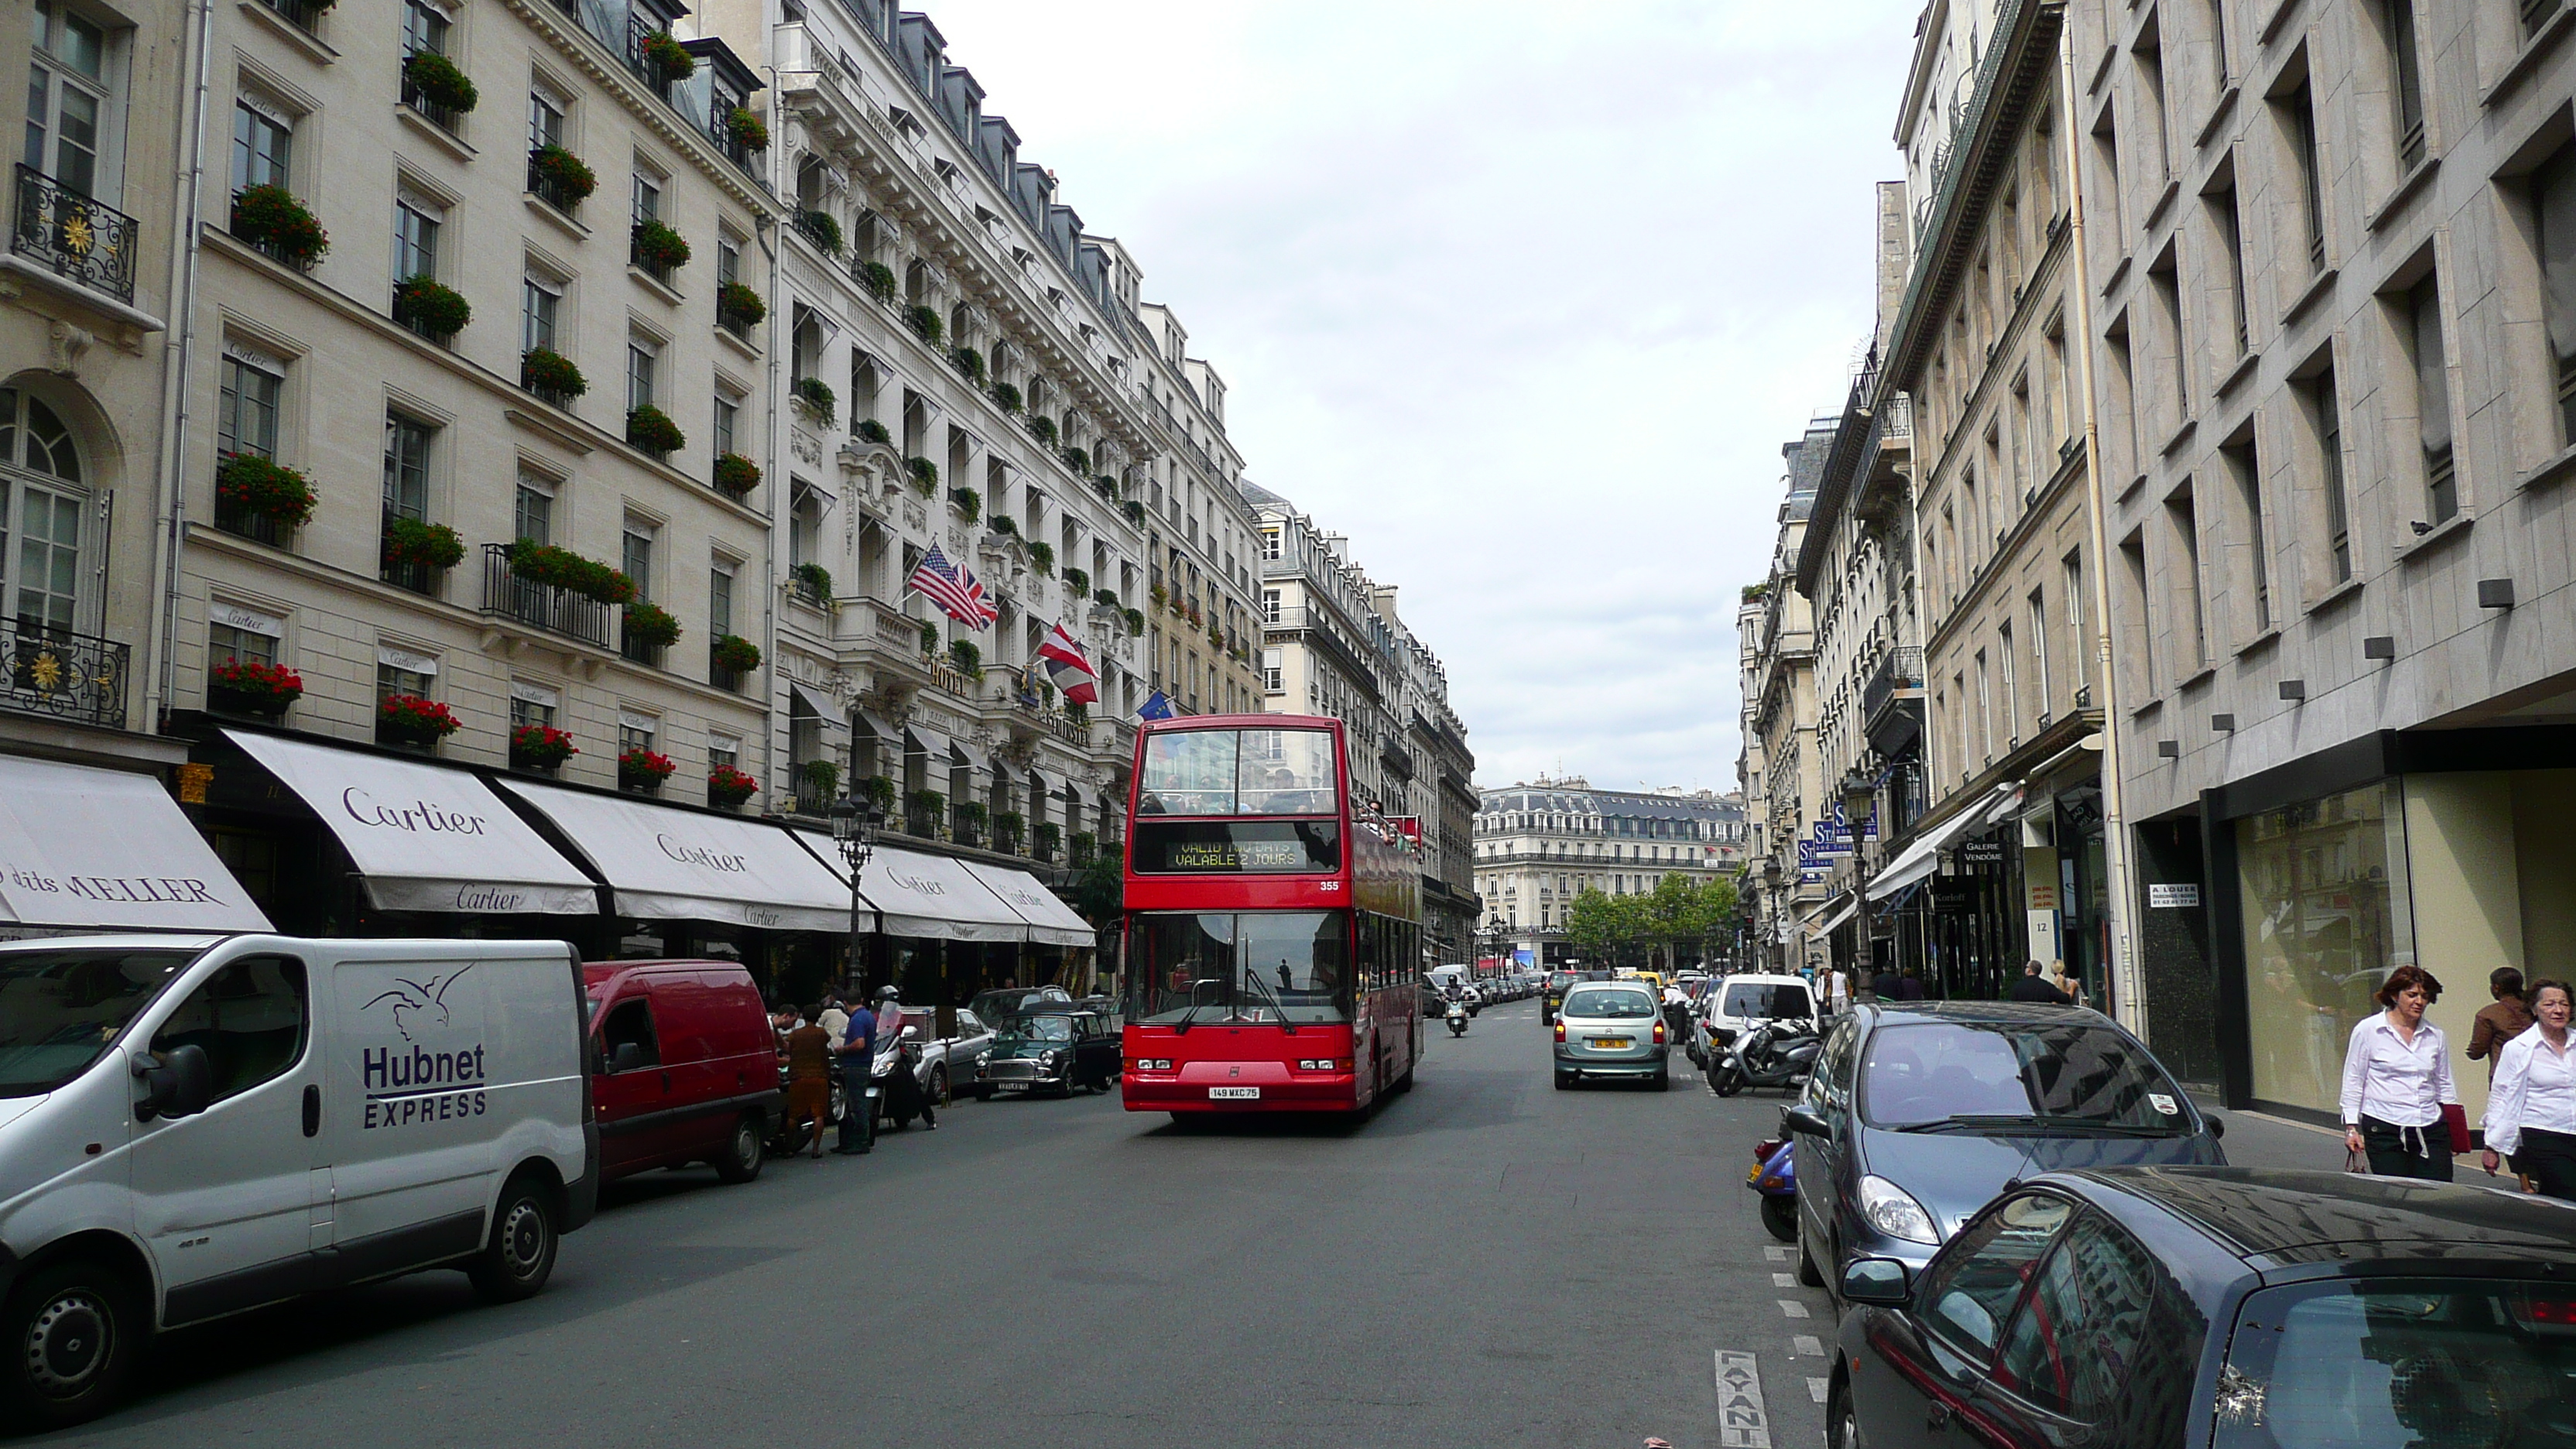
(666, 1084)
(312, 1111)
(1939, 1417)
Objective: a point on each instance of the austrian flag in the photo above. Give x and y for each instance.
(1065, 665)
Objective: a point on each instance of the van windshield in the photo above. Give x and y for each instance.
(60, 1009)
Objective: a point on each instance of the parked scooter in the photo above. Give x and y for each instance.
(1775, 1176)
(1457, 1018)
(1774, 1054)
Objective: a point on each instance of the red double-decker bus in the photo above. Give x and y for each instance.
(1274, 931)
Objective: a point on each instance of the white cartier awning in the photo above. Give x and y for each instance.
(931, 896)
(1924, 855)
(425, 838)
(109, 849)
(1051, 921)
(686, 865)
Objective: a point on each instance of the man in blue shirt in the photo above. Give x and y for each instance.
(856, 1052)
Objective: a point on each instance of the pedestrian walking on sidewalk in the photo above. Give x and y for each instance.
(2397, 1081)
(856, 1054)
(2508, 1017)
(2034, 987)
(2531, 1115)
(809, 1079)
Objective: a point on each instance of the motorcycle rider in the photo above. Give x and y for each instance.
(1456, 1014)
(903, 1095)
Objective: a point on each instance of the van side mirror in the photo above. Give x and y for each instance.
(1883, 1282)
(1803, 1118)
(628, 1057)
(180, 1084)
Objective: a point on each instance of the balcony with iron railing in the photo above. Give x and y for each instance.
(304, 15)
(550, 189)
(1891, 703)
(73, 236)
(65, 675)
(636, 649)
(550, 607)
(443, 117)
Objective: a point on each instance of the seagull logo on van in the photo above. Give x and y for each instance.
(415, 1003)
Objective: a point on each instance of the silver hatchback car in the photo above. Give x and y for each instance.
(1611, 1029)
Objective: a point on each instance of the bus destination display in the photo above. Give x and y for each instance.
(1236, 847)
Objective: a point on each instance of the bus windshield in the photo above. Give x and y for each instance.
(1238, 772)
(1266, 966)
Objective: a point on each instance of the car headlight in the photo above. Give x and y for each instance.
(1054, 1059)
(1893, 1211)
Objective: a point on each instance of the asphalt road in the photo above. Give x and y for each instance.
(1487, 1262)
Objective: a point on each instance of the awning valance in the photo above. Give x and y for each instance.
(1924, 856)
(1841, 913)
(1051, 921)
(425, 838)
(684, 865)
(931, 896)
(108, 849)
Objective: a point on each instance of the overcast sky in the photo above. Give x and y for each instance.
(1524, 298)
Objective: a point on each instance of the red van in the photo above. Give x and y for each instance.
(684, 1066)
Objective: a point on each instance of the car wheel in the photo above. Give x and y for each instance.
(1842, 1421)
(939, 1085)
(1564, 1080)
(1808, 1272)
(520, 1256)
(72, 1330)
(742, 1156)
(1780, 1215)
(1662, 1080)
(983, 1091)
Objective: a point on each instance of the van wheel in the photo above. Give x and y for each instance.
(71, 1332)
(742, 1156)
(521, 1255)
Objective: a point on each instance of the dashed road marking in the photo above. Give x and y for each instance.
(1742, 1421)
(1807, 1344)
(1776, 1255)
(1794, 1309)
(1783, 1280)
(1816, 1390)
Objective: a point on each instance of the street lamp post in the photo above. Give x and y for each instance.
(855, 824)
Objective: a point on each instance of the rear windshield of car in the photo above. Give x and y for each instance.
(1966, 1075)
(2399, 1362)
(1610, 1003)
(1766, 1000)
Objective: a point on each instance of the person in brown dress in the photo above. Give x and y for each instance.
(809, 1078)
(2507, 1018)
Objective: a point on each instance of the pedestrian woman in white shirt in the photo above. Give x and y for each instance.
(2396, 1080)
(2531, 1112)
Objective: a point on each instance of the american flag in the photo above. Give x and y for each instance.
(955, 589)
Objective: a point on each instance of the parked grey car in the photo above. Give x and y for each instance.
(942, 1064)
(1608, 1029)
(1919, 1113)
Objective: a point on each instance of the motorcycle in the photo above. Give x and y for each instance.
(1774, 1054)
(1775, 1177)
(1457, 1018)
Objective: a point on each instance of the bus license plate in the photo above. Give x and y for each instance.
(1610, 1043)
(1233, 1094)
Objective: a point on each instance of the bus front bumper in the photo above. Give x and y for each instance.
(1289, 1092)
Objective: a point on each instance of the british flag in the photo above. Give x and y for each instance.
(1071, 670)
(955, 589)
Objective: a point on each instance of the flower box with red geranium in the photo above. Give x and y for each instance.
(728, 787)
(540, 747)
(643, 769)
(408, 719)
(246, 686)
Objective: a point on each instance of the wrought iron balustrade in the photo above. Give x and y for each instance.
(76, 236)
(69, 676)
(304, 15)
(444, 117)
(549, 189)
(543, 606)
(646, 652)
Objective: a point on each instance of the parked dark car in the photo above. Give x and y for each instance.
(1001, 1003)
(1918, 1113)
(2136, 1308)
(1557, 982)
(1051, 1050)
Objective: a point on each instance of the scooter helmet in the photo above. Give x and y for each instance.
(888, 993)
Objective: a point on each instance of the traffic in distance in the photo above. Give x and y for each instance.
(2024, 1224)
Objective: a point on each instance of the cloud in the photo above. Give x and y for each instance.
(1524, 298)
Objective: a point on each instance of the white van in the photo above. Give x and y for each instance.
(192, 1126)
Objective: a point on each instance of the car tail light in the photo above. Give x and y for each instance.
(1763, 1149)
(1659, 1033)
(1560, 1029)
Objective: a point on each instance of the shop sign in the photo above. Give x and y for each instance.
(1984, 850)
(2174, 897)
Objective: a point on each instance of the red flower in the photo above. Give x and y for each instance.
(541, 744)
(645, 763)
(727, 779)
(249, 676)
(411, 712)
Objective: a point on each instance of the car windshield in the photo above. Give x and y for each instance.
(1259, 966)
(1237, 772)
(1041, 1028)
(1971, 1074)
(1610, 1003)
(2394, 1363)
(1767, 1000)
(60, 1009)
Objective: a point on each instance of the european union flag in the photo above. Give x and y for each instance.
(1156, 706)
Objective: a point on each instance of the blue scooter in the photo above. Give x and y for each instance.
(1775, 1176)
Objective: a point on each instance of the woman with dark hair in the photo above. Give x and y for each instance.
(2396, 1081)
(2531, 1117)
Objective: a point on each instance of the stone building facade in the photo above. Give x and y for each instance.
(1542, 843)
(1791, 821)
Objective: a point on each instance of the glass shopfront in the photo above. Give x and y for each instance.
(2324, 920)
